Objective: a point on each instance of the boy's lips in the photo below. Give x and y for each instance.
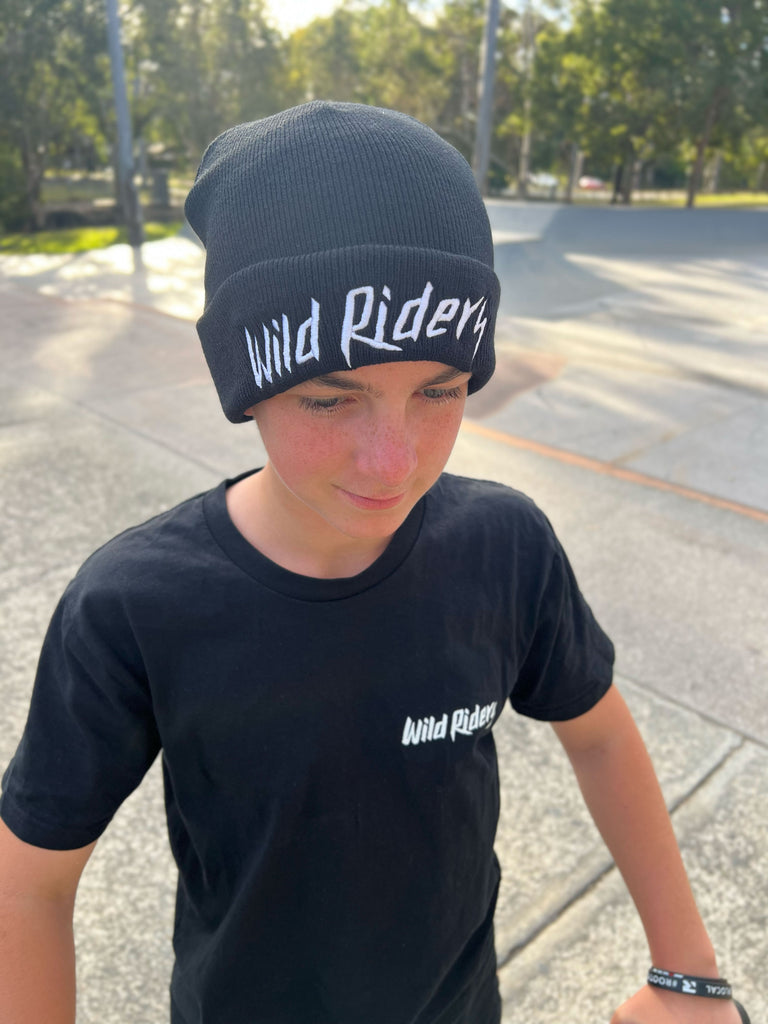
(372, 504)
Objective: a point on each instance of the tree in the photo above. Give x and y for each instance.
(323, 59)
(42, 55)
(626, 63)
(460, 27)
(725, 86)
(248, 61)
(205, 65)
(459, 32)
(655, 72)
(378, 53)
(560, 105)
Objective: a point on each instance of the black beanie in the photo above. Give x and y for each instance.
(339, 235)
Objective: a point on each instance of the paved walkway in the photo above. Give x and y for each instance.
(630, 402)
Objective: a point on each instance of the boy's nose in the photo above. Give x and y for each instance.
(386, 452)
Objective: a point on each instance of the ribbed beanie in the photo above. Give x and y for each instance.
(339, 235)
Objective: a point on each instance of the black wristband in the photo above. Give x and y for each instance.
(687, 985)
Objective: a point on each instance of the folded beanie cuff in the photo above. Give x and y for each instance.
(276, 323)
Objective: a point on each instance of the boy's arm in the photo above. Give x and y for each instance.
(37, 955)
(622, 793)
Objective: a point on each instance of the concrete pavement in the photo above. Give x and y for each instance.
(631, 402)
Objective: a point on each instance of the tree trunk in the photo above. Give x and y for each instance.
(617, 179)
(622, 180)
(712, 170)
(33, 164)
(576, 164)
(524, 164)
(701, 148)
(627, 180)
(637, 175)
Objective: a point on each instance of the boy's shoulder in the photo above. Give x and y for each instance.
(452, 486)
(164, 548)
(490, 507)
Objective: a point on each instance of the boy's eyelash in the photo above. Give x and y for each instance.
(333, 404)
(443, 394)
(323, 406)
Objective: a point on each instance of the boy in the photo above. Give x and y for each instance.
(321, 648)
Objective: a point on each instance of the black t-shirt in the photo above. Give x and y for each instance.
(330, 771)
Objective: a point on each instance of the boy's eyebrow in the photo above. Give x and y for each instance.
(449, 373)
(345, 384)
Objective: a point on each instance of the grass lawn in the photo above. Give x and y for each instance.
(703, 199)
(74, 188)
(658, 197)
(733, 199)
(81, 239)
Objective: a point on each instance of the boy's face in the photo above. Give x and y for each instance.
(353, 451)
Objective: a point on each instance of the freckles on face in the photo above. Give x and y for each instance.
(303, 444)
(364, 441)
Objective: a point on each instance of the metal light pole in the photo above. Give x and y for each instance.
(125, 185)
(482, 156)
(525, 142)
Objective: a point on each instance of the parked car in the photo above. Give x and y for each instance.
(542, 179)
(590, 184)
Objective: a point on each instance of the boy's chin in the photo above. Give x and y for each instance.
(365, 524)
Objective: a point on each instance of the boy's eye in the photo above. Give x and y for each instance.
(336, 403)
(443, 394)
(321, 405)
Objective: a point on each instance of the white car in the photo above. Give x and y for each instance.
(542, 180)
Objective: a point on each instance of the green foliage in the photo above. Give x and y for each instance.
(660, 73)
(45, 48)
(459, 32)
(323, 59)
(650, 86)
(200, 66)
(398, 55)
(14, 206)
(382, 54)
(80, 239)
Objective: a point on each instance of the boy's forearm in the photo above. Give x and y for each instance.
(37, 961)
(621, 790)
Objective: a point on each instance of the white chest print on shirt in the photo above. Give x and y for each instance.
(463, 722)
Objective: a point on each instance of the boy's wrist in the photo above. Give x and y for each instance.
(685, 958)
(710, 987)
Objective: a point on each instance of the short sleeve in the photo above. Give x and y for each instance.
(568, 664)
(90, 735)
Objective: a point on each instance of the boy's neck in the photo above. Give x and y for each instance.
(297, 539)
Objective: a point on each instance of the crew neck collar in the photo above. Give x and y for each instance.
(306, 588)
